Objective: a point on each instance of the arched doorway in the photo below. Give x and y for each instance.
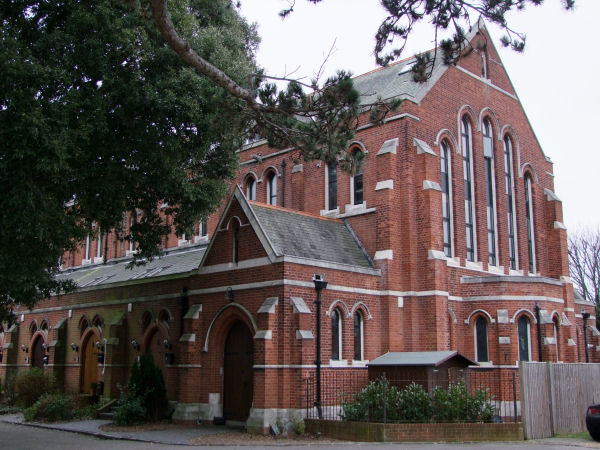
(155, 345)
(37, 353)
(89, 365)
(238, 376)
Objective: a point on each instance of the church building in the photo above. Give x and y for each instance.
(449, 237)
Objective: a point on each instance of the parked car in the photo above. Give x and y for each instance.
(592, 421)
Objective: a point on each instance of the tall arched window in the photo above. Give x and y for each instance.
(510, 202)
(490, 188)
(524, 331)
(236, 243)
(132, 220)
(331, 186)
(336, 334)
(251, 188)
(100, 247)
(530, 225)
(358, 337)
(87, 252)
(481, 340)
(357, 180)
(446, 207)
(467, 153)
(272, 189)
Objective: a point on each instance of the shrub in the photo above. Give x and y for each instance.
(415, 404)
(367, 405)
(130, 410)
(9, 394)
(31, 384)
(51, 407)
(147, 382)
(298, 425)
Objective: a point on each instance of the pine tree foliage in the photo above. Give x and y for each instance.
(454, 15)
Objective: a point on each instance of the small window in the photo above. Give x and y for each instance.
(556, 326)
(481, 340)
(251, 188)
(203, 228)
(357, 180)
(87, 253)
(358, 337)
(100, 249)
(524, 331)
(336, 335)
(331, 186)
(272, 189)
(236, 244)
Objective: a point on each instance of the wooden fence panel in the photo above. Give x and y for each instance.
(535, 410)
(555, 397)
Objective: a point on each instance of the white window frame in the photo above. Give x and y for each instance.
(339, 337)
(514, 205)
(362, 336)
(528, 338)
(487, 339)
(444, 146)
(494, 194)
(469, 132)
(531, 229)
(271, 186)
(250, 190)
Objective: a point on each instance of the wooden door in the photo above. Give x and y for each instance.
(37, 354)
(158, 350)
(89, 366)
(238, 376)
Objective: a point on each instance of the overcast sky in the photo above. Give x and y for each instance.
(557, 78)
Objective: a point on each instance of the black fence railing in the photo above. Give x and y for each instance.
(451, 395)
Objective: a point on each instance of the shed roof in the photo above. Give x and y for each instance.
(418, 358)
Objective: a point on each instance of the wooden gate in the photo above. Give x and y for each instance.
(555, 397)
(89, 366)
(37, 354)
(238, 377)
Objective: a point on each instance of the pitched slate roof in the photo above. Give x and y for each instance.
(172, 263)
(417, 358)
(394, 81)
(305, 236)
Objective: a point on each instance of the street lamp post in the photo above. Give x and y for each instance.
(320, 284)
(586, 316)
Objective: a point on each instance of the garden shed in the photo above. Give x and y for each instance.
(430, 369)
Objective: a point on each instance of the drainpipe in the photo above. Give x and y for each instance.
(586, 316)
(539, 329)
(183, 307)
(283, 164)
(320, 284)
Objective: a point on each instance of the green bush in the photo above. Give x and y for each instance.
(298, 425)
(31, 384)
(367, 405)
(8, 393)
(130, 410)
(147, 382)
(415, 404)
(51, 407)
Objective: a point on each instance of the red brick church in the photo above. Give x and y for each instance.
(449, 238)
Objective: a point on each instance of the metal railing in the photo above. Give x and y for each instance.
(476, 395)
